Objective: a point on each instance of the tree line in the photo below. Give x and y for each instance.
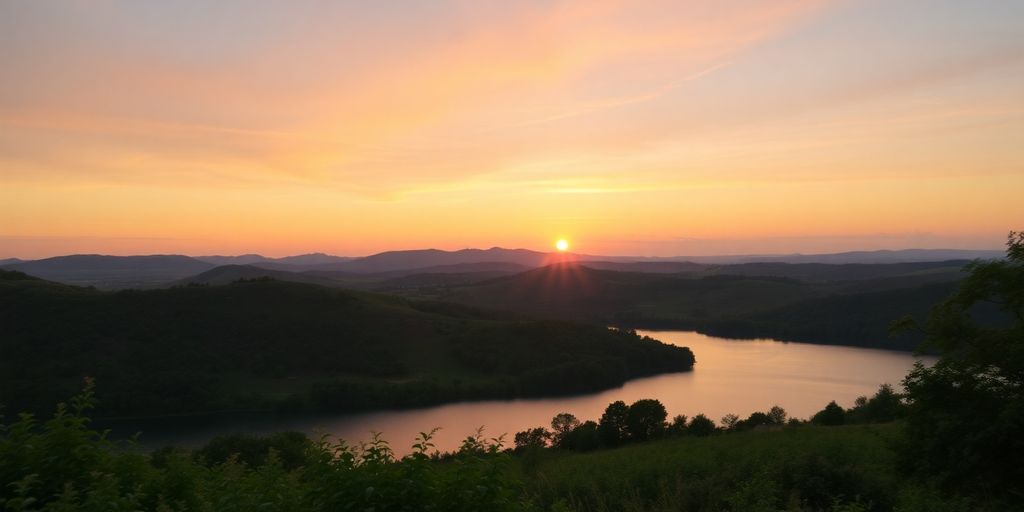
(647, 419)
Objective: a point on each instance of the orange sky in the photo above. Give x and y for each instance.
(640, 127)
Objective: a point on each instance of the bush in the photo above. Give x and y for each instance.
(831, 415)
(62, 464)
(701, 426)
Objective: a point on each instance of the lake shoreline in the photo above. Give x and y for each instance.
(313, 412)
(731, 377)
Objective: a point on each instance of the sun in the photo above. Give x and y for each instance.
(562, 245)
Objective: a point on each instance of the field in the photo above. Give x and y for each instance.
(792, 468)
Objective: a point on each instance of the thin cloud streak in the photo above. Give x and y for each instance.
(294, 125)
(612, 103)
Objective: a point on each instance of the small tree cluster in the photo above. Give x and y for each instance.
(884, 406)
(775, 417)
(643, 420)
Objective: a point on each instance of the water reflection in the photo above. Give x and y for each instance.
(730, 377)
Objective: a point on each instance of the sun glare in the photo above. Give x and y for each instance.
(562, 245)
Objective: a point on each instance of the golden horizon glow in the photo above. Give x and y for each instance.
(562, 245)
(648, 127)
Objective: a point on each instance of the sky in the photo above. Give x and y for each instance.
(655, 128)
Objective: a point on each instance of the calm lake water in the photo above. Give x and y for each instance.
(730, 376)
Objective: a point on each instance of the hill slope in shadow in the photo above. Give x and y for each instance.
(266, 343)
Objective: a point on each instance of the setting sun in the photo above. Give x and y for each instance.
(362, 211)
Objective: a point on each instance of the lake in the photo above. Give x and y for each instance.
(731, 376)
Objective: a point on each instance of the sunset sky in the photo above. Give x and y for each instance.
(627, 127)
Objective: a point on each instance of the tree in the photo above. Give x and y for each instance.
(831, 415)
(561, 425)
(729, 421)
(701, 426)
(646, 419)
(612, 425)
(886, 405)
(537, 437)
(966, 412)
(775, 416)
(678, 425)
(583, 438)
(756, 419)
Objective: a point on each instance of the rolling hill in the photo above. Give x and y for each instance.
(419, 259)
(226, 274)
(424, 282)
(118, 272)
(298, 262)
(112, 271)
(833, 304)
(852, 304)
(574, 290)
(265, 344)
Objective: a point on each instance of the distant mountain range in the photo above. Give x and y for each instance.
(881, 256)
(836, 302)
(112, 271)
(405, 260)
(159, 270)
(302, 260)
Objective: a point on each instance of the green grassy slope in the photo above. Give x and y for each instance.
(794, 468)
(264, 343)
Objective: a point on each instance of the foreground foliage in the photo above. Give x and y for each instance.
(967, 411)
(63, 465)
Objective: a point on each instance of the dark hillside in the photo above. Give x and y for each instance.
(833, 304)
(265, 343)
(823, 272)
(859, 319)
(226, 274)
(579, 292)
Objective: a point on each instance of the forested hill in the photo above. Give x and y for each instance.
(837, 304)
(264, 343)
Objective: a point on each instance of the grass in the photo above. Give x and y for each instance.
(799, 468)
(62, 464)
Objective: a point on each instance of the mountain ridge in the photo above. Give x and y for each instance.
(108, 271)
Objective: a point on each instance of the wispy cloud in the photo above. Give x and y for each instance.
(378, 123)
(619, 101)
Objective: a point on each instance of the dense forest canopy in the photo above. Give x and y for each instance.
(832, 304)
(264, 343)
